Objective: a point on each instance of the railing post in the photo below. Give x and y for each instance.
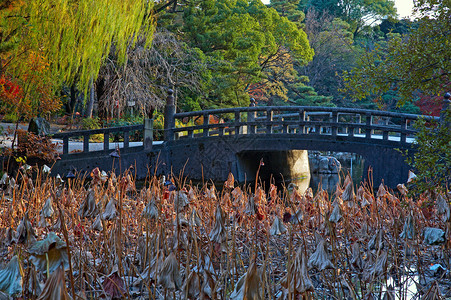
(445, 111)
(65, 144)
(368, 126)
(86, 142)
(148, 134)
(251, 117)
(169, 121)
(269, 113)
(126, 138)
(403, 129)
(301, 121)
(106, 141)
(206, 122)
(238, 128)
(335, 123)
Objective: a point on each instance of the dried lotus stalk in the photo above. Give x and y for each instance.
(319, 259)
(277, 227)
(230, 181)
(169, 275)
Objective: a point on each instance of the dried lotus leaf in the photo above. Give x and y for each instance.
(348, 194)
(248, 286)
(97, 224)
(150, 211)
(408, 231)
(299, 280)
(47, 211)
(110, 211)
(335, 216)
(25, 232)
(277, 227)
(297, 217)
(443, 208)
(194, 219)
(10, 278)
(88, 207)
(434, 236)
(50, 252)
(319, 259)
(169, 275)
(114, 285)
(218, 233)
(192, 285)
(55, 287)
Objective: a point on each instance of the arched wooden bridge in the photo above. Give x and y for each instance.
(211, 143)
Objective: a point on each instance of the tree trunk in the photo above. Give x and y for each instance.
(90, 104)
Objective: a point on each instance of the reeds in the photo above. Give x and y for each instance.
(104, 238)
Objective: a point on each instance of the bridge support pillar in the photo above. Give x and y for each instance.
(148, 134)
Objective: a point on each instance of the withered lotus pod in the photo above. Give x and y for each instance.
(377, 240)
(50, 252)
(230, 181)
(25, 232)
(408, 231)
(402, 189)
(299, 279)
(169, 275)
(433, 236)
(367, 199)
(47, 211)
(411, 177)
(378, 269)
(297, 217)
(248, 286)
(218, 233)
(319, 259)
(97, 224)
(194, 219)
(191, 287)
(5, 179)
(277, 227)
(114, 285)
(110, 211)
(88, 207)
(150, 211)
(46, 169)
(443, 208)
(55, 287)
(10, 278)
(335, 216)
(381, 191)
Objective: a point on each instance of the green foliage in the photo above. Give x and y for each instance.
(90, 123)
(415, 62)
(432, 159)
(242, 40)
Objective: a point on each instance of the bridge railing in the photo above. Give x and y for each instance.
(120, 137)
(304, 120)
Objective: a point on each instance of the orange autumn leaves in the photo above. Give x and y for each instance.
(31, 93)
